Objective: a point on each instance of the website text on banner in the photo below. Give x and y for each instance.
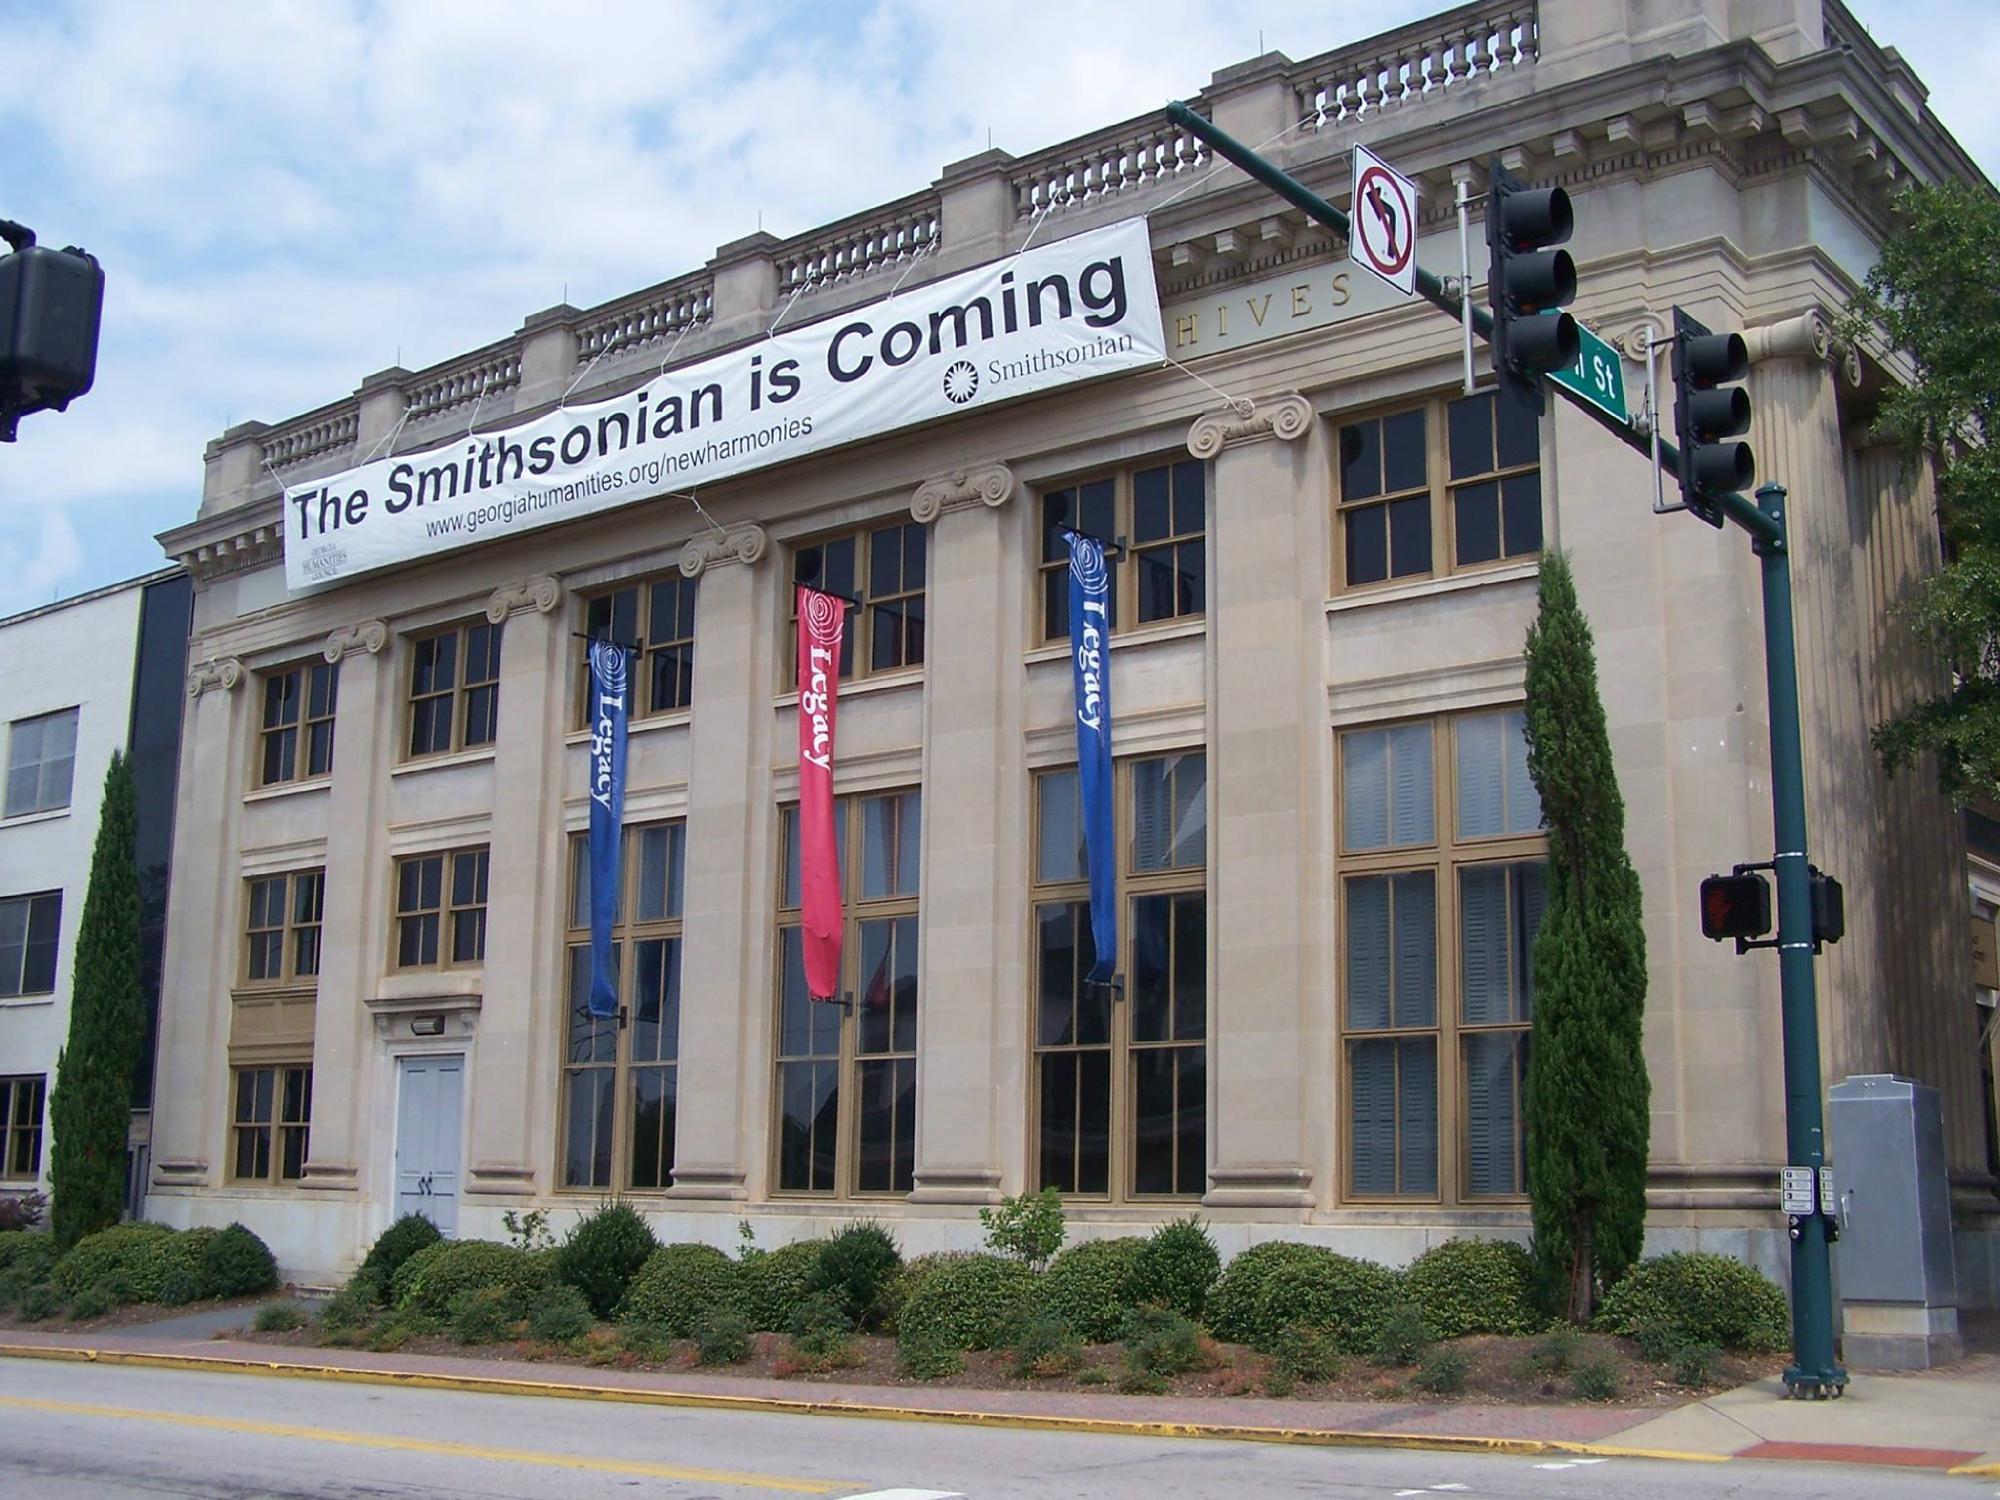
(1053, 315)
(610, 672)
(1090, 661)
(822, 620)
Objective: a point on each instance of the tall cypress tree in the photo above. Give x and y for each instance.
(1588, 1097)
(92, 1108)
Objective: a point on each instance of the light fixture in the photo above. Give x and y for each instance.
(427, 1026)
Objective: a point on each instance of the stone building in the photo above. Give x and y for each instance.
(1329, 847)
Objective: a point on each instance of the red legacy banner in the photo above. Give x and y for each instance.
(821, 620)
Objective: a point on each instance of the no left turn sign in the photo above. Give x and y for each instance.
(1382, 222)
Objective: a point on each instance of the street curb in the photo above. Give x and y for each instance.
(1105, 1426)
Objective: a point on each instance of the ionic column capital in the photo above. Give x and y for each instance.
(739, 544)
(365, 635)
(991, 485)
(220, 672)
(541, 591)
(1287, 417)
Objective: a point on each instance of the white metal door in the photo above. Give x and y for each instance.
(427, 1116)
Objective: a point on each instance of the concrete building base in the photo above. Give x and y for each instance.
(1899, 1336)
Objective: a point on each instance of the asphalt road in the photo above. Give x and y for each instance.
(82, 1430)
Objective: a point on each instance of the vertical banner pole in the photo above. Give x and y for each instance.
(822, 619)
(610, 676)
(1090, 661)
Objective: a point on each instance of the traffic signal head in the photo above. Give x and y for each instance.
(51, 302)
(1709, 409)
(1528, 281)
(1735, 906)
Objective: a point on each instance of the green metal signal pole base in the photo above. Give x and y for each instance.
(1813, 1371)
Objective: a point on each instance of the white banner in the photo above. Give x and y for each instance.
(1059, 313)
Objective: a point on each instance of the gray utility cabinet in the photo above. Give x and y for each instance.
(1893, 1261)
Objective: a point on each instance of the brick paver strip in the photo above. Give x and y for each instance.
(1861, 1453)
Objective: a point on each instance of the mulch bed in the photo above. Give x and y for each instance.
(131, 1315)
(1499, 1371)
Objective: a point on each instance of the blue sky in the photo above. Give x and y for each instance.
(289, 196)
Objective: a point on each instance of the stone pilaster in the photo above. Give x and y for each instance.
(513, 1071)
(725, 1085)
(972, 1080)
(1270, 804)
(353, 941)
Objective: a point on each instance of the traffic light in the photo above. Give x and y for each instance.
(1708, 409)
(51, 302)
(1829, 908)
(1528, 282)
(1735, 906)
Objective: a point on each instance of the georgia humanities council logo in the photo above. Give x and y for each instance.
(324, 562)
(961, 383)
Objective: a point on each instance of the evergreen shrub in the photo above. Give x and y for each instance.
(1160, 1341)
(1404, 1336)
(915, 1272)
(1040, 1344)
(603, 1252)
(137, 1251)
(279, 1317)
(1443, 1372)
(775, 1283)
(395, 1245)
(1088, 1287)
(1695, 1297)
(855, 1268)
(1232, 1311)
(235, 1263)
(1341, 1296)
(1474, 1286)
(963, 1303)
(678, 1284)
(559, 1314)
(430, 1281)
(1176, 1267)
(485, 1314)
(721, 1337)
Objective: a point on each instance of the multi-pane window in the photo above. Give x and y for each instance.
(269, 1123)
(1121, 1091)
(29, 929)
(1441, 893)
(282, 927)
(847, 1072)
(621, 1075)
(1160, 515)
(441, 909)
(454, 689)
(656, 619)
(882, 571)
(1436, 488)
(41, 762)
(295, 738)
(21, 1103)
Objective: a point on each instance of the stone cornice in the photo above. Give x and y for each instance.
(541, 591)
(250, 536)
(366, 635)
(1287, 417)
(223, 672)
(989, 484)
(739, 544)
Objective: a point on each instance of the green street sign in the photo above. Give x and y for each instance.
(1598, 375)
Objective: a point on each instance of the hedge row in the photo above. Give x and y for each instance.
(133, 1263)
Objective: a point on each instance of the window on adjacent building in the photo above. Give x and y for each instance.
(1160, 514)
(295, 739)
(1441, 893)
(655, 616)
(1121, 1093)
(270, 1123)
(41, 762)
(441, 909)
(282, 927)
(29, 929)
(847, 1073)
(621, 1074)
(454, 689)
(22, 1100)
(883, 568)
(1440, 487)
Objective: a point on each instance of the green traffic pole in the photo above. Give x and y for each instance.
(1812, 1371)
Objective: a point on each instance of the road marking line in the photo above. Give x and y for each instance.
(910, 1495)
(426, 1445)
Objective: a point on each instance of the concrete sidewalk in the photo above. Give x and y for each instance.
(1944, 1420)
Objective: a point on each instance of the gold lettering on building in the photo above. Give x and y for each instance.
(1300, 307)
(1341, 294)
(1187, 330)
(1258, 311)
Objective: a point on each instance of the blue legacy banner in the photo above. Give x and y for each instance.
(610, 670)
(1090, 657)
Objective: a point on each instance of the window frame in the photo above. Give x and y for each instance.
(860, 614)
(292, 925)
(41, 764)
(1123, 563)
(1120, 1045)
(15, 1130)
(628, 933)
(1440, 488)
(305, 677)
(29, 899)
(1446, 856)
(448, 910)
(460, 693)
(650, 646)
(277, 1127)
(848, 1058)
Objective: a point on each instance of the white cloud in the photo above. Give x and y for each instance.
(39, 552)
